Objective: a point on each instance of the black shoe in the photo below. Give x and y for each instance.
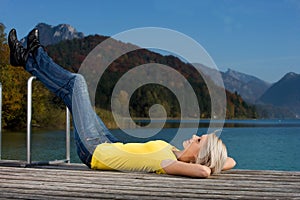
(18, 54)
(33, 41)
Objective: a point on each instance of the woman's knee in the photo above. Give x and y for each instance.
(79, 79)
(79, 83)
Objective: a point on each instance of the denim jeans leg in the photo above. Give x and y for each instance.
(90, 130)
(54, 77)
(89, 126)
(84, 155)
(50, 69)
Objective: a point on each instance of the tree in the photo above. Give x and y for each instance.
(2, 34)
(14, 93)
(3, 47)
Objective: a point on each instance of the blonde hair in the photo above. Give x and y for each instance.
(213, 154)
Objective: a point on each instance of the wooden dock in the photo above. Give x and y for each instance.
(75, 181)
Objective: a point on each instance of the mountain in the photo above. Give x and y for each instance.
(285, 93)
(71, 53)
(54, 34)
(277, 100)
(249, 87)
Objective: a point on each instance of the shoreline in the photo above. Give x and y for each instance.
(190, 121)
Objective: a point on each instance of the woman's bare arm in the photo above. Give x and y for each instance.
(186, 169)
(229, 164)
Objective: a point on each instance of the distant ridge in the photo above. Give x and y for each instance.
(249, 87)
(284, 93)
(277, 100)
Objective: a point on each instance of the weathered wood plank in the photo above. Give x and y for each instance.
(134, 178)
(77, 181)
(69, 187)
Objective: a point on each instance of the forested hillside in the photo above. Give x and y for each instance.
(49, 112)
(71, 53)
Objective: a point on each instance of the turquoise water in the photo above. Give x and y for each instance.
(255, 144)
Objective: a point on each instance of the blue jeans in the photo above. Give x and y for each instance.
(89, 129)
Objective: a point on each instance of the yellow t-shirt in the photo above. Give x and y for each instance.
(146, 157)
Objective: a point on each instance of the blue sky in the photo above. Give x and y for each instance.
(257, 37)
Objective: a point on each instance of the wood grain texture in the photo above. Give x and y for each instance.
(76, 181)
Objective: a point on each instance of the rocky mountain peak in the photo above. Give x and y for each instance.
(291, 76)
(241, 76)
(54, 34)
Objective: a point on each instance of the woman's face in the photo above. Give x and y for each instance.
(195, 143)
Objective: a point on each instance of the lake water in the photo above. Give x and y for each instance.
(255, 144)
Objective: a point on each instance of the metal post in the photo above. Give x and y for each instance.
(67, 135)
(0, 121)
(29, 117)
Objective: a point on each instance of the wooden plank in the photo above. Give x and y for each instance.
(291, 179)
(36, 176)
(155, 188)
(77, 181)
(134, 177)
